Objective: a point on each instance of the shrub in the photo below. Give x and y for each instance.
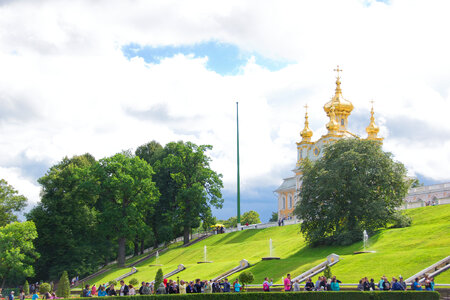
(112, 282)
(327, 272)
(45, 288)
(26, 287)
(246, 277)
(134, 281)
(63, 290)
(159, 278)
(400, 220)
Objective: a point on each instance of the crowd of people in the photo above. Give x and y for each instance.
(224, 286)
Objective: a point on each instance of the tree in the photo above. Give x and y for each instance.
(327, 272)
(158, 278)
(45, 288)
(355, 186)
(274, 217)
(63, 290)
(250, 217)
(10, 202)
(189, 184)
(17, 253)
(66, 219)
(125, 190)
(134, 281)
(26, 288)
(246, 277)
(231, 222)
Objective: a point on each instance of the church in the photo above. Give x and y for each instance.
(338, 110)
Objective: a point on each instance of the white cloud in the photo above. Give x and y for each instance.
(66, 88)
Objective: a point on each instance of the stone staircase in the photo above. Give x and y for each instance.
(431, 271)
(332, 259)
(243, 264)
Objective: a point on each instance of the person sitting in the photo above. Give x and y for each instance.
(309, 286)
(334, 285)
(85, 293)
(417, 286)
(396, 286)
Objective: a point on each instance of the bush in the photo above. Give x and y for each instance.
(342, 295)
(63, 290)
(327, 272)
(26, 287)
(159, 278)
(246, 277)
(45, 288)
(134, 281)
(112, 282)
(400, 220)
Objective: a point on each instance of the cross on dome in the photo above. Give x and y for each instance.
(338, 70)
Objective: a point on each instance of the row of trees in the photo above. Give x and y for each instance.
(92, 212)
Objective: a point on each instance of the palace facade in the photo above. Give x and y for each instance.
(338, 110)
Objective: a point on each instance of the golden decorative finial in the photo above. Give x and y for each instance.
(338, 70)
(372, 130)
(332, 126)
(306, 133)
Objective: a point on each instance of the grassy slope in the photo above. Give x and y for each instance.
(402, 251)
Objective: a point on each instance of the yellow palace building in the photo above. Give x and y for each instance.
(338, 110)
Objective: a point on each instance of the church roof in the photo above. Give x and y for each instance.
(288, 184)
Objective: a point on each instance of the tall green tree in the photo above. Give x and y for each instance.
(10, 203)
(17, 252)
(126, 191)
(191, 184)
(355, 186)
(66, 221)
(250, 217)
(274, 217)
(63, 290)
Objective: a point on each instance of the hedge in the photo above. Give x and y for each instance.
(341, 295)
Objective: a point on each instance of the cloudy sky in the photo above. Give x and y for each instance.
(106, 76)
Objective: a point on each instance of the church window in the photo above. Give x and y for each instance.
(290, 202)
(342, 122)
(283, 204)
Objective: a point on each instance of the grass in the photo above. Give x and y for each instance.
(402, 251)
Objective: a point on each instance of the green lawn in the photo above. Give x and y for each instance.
(402, 251)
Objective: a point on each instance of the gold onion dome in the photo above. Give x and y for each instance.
(340, 104)
(332, 125)
(306, 133)
(372, 130)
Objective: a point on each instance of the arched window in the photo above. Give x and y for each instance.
(290, 202)
(283, 200)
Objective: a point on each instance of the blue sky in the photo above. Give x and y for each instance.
(223, 58)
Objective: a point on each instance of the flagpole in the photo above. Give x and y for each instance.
(238, 173)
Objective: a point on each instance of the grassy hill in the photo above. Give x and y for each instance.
(402, 251)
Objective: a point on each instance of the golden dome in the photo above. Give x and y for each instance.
(306, 133)
(340, 104)
(372, 130)
(332, 125)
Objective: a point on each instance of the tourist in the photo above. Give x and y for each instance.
(360, 286)
(131, 290)
(93, 290)
(85, 293)
(334, 285)
(405, 287)
(197, 286)
(396, 286)
(386, 284)
(317, 285)
(54, 296)
(287, 283)
(323, 284)
(182, 287)
(432, 283)
(372, 284)
(101, 291)
(237, 286)
(190, 287)
(266, 285)
(111, 291)
(296, 286)
(428, 286)
(416, 286)
(309, 286)
(35, 295)
(161, 289)
(22, 295)
(366, 284)
(11, 296)
(141, 289)
(123, 289)
(226, 286)
(381, 283)
(207, 287)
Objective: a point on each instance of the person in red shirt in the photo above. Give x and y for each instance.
(287, 283)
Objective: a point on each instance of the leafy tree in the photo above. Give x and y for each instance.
(10, 202)
(66, 219)
(26, 288)
(354, 186)
(126, 191)
(231, 222)
(134, 281)
(158, 278)
(327, 272)
(113, 282)
(63, 290)
(246, 277)
(17, 253)
(250, 217)
(274, 217)
(45, 288)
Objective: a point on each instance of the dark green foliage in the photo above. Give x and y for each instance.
(10, 203)
(355, 186)
(134, 281)
(250, 217)
(45, 288)
(274, 217)
(158, 278)
(246, 277)
(327, 272)
(113, 282)
(26, 287)
(5, 292)
(63, 290)
(342, 295)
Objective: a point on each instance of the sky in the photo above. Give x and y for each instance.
(106, 76)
